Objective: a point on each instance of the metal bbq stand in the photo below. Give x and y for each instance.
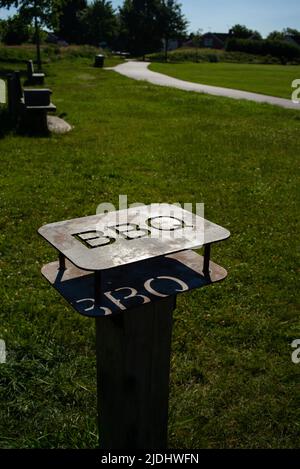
(125, 269)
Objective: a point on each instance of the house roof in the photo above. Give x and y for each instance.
(221, 37)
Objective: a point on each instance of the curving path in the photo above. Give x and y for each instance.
(140, 71)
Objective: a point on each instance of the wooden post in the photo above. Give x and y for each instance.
(133, 366)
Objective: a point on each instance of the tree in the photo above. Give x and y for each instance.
(16, 31)
(276, 36)
(3, 26)
(71, 27)
(196, 38)
(40, 12)
(147, 23)
(242, 32)
(292, 32)
(284, 34)
(173, 23)
(99, 23)
(140, 25)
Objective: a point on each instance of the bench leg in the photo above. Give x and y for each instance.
(34, 122)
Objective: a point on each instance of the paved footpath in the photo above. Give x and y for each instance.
(140, 71)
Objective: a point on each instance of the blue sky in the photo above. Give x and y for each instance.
(219, 15)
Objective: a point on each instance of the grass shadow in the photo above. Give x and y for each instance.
(27, 131)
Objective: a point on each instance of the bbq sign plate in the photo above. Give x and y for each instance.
(115, 239)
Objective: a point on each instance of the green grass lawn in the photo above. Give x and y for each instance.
(233, 384)
(274, 80)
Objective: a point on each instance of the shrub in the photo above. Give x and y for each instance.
(211, 55)
(16, 31)
(50, 53)
(188, 55)
(213, 58)
(280, 49)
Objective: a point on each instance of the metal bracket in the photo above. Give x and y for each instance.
(62, 261)
(207, 250)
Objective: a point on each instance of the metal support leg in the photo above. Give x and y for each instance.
(133, 364)
(62, 262)
(207, 250)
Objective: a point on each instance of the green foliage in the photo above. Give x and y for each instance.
(242, 32)
(284, 35)
(140, 25)
(17, 31)
(70, 27)
(145, 24)
(98, 23)
(37, 12)
(173, 23)
(51, 53)
(276, 36)
(211, 55)
(292, 32)
(281, 49)
(213, 58)
(45, 10)
(3, 26)
(196, 38)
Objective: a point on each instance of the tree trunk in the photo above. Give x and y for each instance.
(166, 49)
(38, 43)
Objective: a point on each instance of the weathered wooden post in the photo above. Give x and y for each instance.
(125, 269)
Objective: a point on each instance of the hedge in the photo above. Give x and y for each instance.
(281, 49)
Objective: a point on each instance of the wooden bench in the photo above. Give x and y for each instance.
(34, 78)
(28, 108)
(124, 55)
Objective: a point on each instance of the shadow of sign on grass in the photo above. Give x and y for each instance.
(126, 288)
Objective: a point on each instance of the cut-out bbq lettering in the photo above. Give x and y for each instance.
(93, 239)
(163, 223)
